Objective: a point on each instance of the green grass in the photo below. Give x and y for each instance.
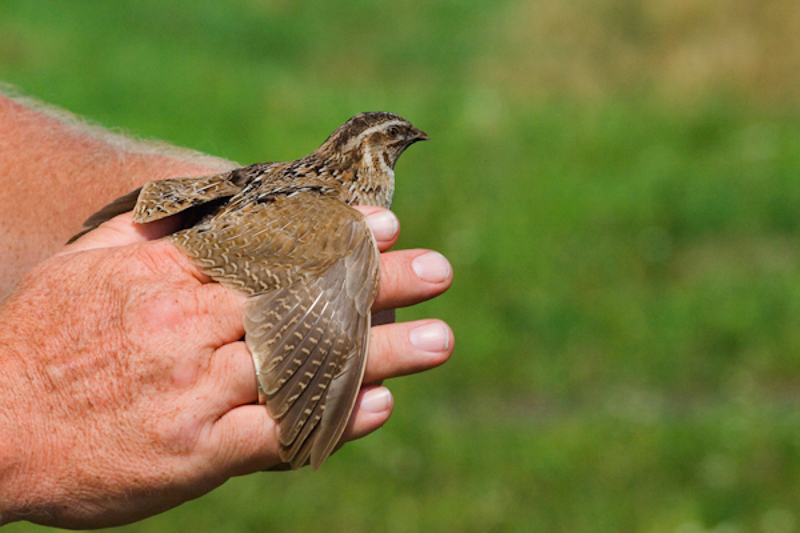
(627, 258)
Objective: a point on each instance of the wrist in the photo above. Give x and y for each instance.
(11, 457)
(20, 427)
(8, 466)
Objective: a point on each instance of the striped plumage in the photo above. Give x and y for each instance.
(284, 234)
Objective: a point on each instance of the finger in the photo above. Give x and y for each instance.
(406, 348)
(247, 436)
(231, 378)
(245, 440)
(122, 230)
(411, 276)
(384, 225)
(221, 312)
(373, 408)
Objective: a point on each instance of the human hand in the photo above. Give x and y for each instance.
(128, 390)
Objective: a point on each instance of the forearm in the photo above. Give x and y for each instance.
(17, 419)
(55, 171)
(11, 449)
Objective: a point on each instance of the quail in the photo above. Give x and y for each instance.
(284, 234)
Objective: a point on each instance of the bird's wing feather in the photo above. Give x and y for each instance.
(162, 198)
(311, 266)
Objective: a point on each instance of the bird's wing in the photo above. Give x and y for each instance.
(311, 268)
(159, 199)
(163, 198)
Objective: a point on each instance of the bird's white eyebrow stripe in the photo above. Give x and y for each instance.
(379, 127)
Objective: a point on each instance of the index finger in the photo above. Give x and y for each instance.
(384, 225)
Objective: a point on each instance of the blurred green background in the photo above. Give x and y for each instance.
(617, 184)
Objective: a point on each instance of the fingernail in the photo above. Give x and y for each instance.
(430, 338)
(433, 267)
(384, 225)
(377, 400)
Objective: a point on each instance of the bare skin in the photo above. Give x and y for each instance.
(126, 387)
(54, 175)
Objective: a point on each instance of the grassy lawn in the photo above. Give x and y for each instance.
(625, 231)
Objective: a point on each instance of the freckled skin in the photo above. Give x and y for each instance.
(92, 378)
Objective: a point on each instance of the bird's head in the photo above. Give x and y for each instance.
(374, 139)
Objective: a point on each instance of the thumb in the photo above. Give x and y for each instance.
(122, 231)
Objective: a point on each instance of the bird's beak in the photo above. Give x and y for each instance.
(420, 135)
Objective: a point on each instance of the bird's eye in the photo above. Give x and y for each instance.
(394, 131)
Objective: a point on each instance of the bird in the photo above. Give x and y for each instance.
(285, 235)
